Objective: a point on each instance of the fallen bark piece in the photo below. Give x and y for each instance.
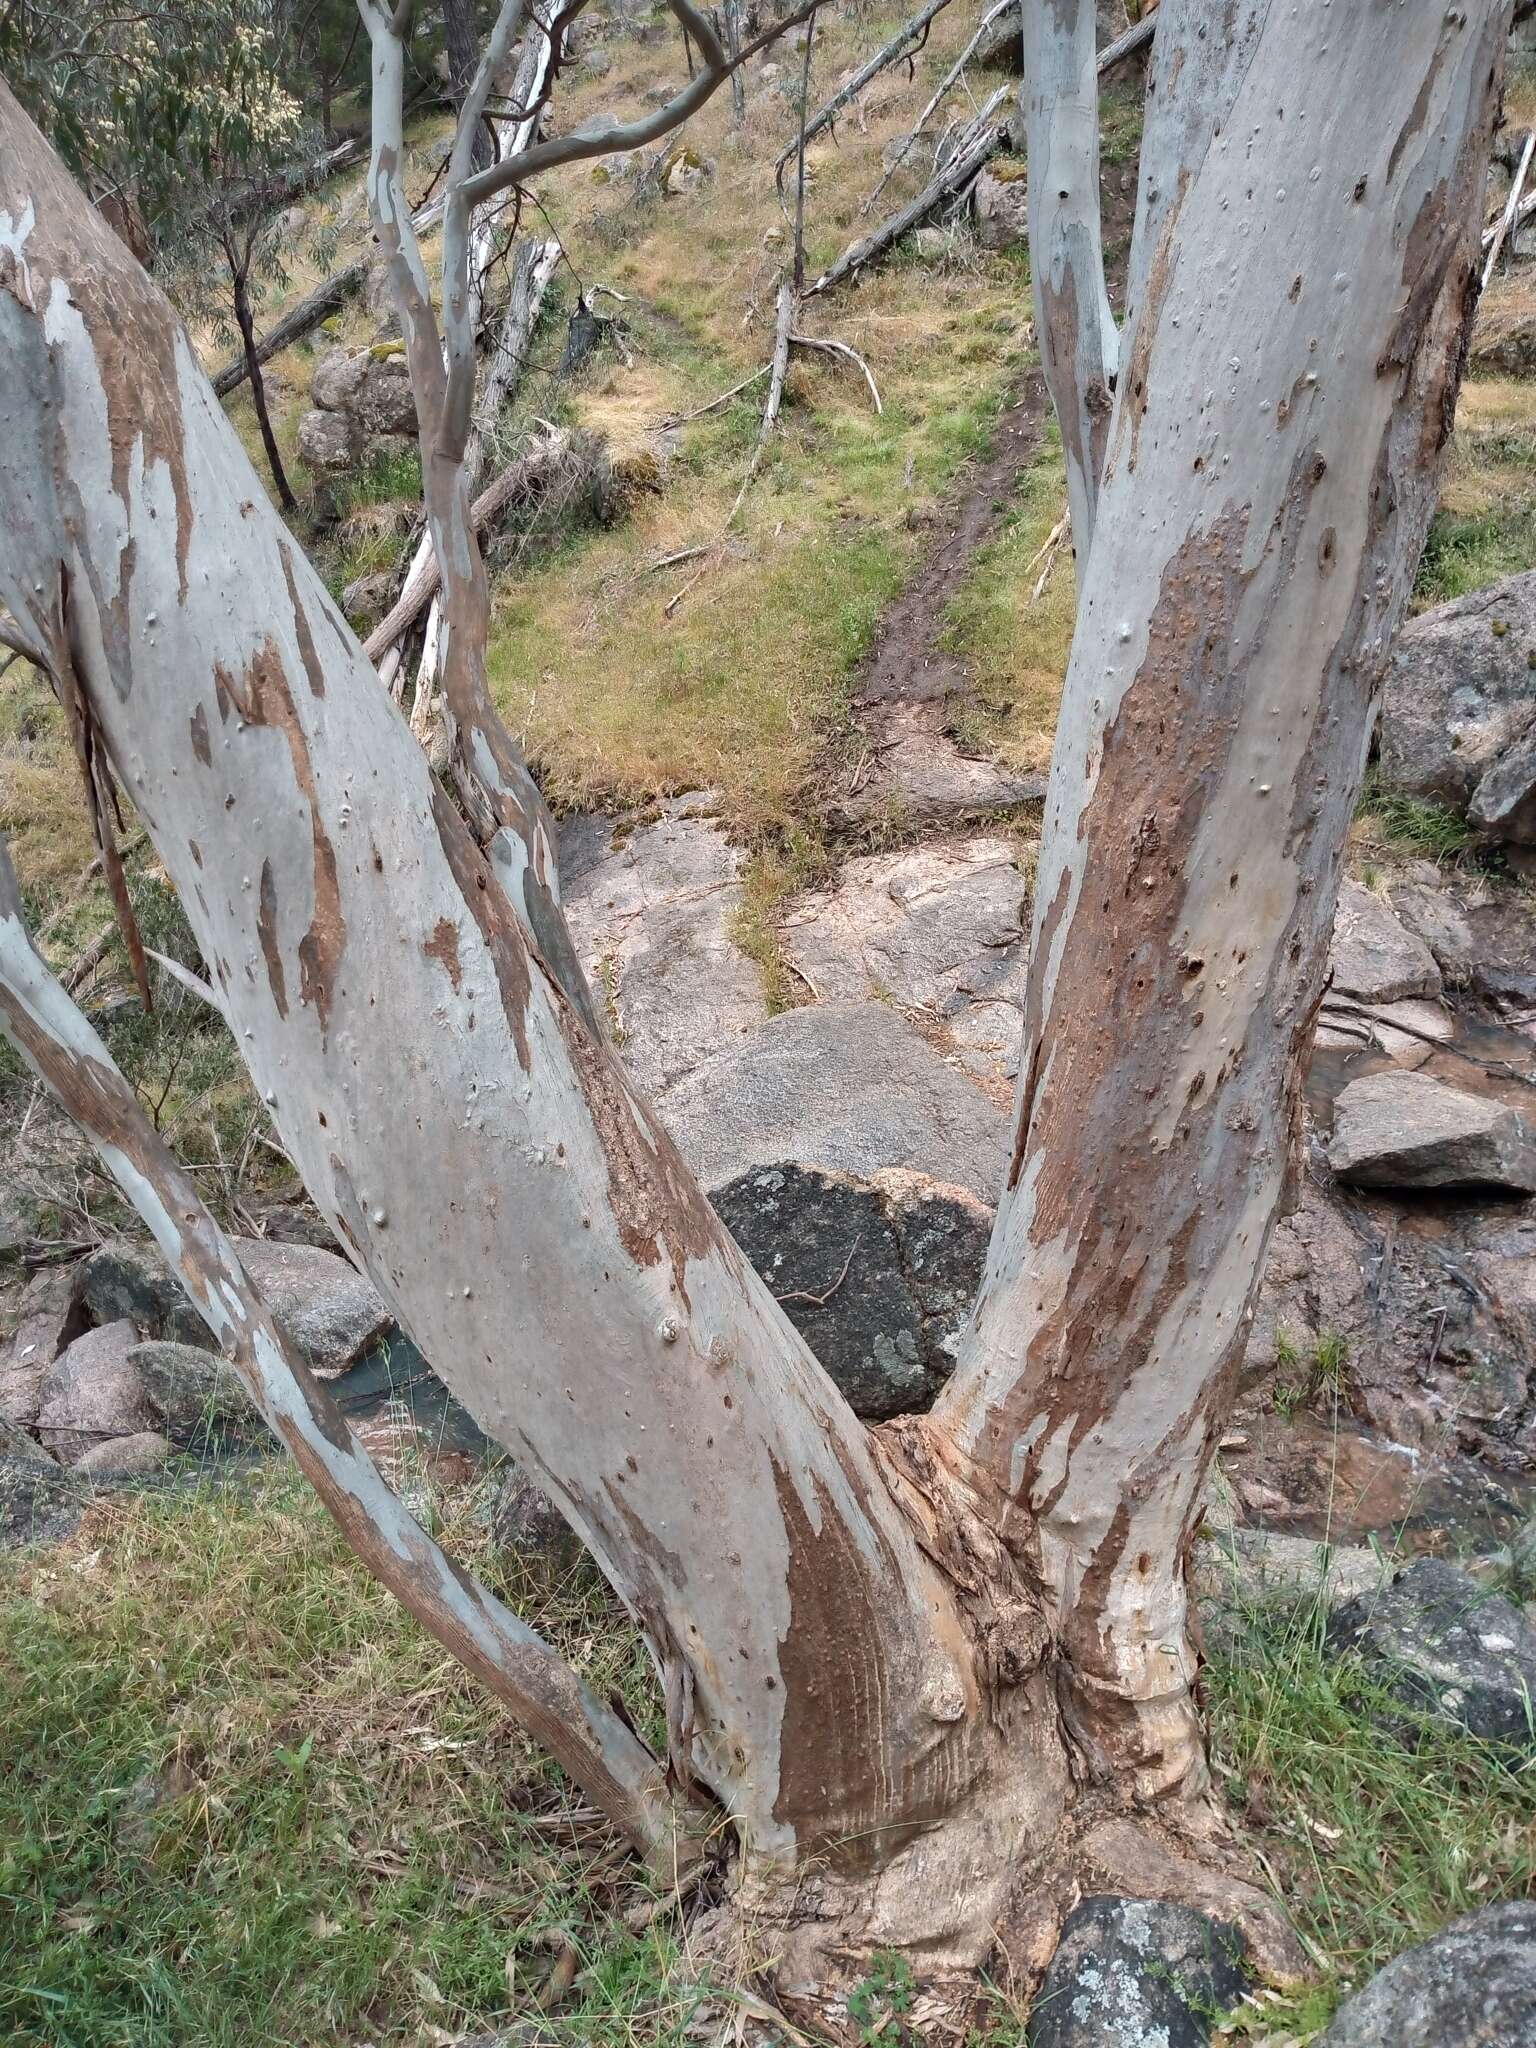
(1399, 1130)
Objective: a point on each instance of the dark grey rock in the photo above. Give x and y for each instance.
(92, 1393)
(1503, 805)
(1460, 691)
(384, 401)
(126, 1457)
(39, 1501)
(841, 1088)
(825, 1246)
(1472, 1986)
(1000, 204)
(1444, 1644)
(1134, 1974)
(127, 1279)
(367, 598)
(196, 1396)
(1401, 1130)
(526, 1522)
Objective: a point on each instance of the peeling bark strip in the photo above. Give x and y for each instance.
(600, 1752)
(1075, 329)
(516, 1204)
(1268, 488)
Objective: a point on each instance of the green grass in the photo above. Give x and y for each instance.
(1412, 824)
(247, 1801)
(1465, 552)
(1378, 1825)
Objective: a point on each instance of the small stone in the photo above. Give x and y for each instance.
(330, 441)
(367, 598)
(596, 62)
(1000, 203)
(1399, 1130)
(1130, 1974)
(1472, 1986)
(525, 1521)
(39, 1502)
(127, 1457)
(93, 1392)
(1443, 1644)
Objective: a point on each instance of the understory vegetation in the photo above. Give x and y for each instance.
(290, 1818)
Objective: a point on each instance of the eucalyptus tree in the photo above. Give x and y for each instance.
(922, 1678)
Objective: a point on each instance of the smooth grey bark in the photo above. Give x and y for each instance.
(1074, 327)
(1272, 469)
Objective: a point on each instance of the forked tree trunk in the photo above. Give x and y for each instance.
(933, 1669)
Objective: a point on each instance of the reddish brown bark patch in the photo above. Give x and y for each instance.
(443, 947)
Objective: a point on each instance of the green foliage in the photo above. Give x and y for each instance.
(886, 1992)
(1465, 552)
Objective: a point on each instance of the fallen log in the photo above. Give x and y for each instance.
(982, 140)
(906, 42)
(519, 481)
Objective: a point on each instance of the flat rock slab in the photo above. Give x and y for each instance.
(842, 1088)
(39, 1501)
(1443, 1644)
(1404, 1130)
(1133, 1974)
(52, 1315)
(652, 909)
(1459, 692)
(1374, 957)
(939, 927)
(1472, 1986)
(332, 1313)
(877, 1275)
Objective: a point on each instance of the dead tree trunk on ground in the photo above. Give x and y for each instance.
(935, 1672)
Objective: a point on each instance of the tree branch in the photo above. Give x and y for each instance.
(598, 1750)
(1075, 329)
(906, 42)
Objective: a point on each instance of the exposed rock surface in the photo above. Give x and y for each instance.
(1242, 1570)
(1461, 692)
(51, 1315)
(939, 928)
(1444, 1644)
(1374, 958)
(877, 1274)
(843, 1088)
(92, 1393)
(1432, 913)
(331, 441)
(1129, 1974)
(1000, 204)
(195, 1395)
(651, 909)
(1472, 1986)
(126, 1457)
(526, 1522)
(1408, 1131)
(337, 379)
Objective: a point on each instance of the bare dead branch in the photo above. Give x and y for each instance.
(841, 348)
(1511, 211)
(983, 139)
(906, 42)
